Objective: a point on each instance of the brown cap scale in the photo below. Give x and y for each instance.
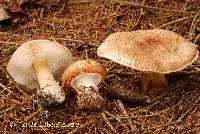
(41, 62)
(85, 76)
(155, 52)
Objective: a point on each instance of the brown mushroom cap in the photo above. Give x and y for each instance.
(80, 67)
(155, 50)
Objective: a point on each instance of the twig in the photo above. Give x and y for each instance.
(151, 115)
(197, 38)
(3, 86)
(108, 123)
(42, 12)
(193, 26)
(165, 93)
(4, 42)
(62, 9)
(133, 127)
(173, 114)
(31, 116)
(116, 118)
(120, 73)
(185, 114)
(141, 14)
(113, 116)
(180, 26)
(74, 40)
(6, 110)
(193, 6)
(150, 7)
(111, 24)
(188, 72)
(160, 126)
(124, 3)
(185, 4)
(175, 21)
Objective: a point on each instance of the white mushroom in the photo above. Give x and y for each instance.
(155, 52)
(41, 61)
(85, 76)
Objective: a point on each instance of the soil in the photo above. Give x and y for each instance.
(82, 25)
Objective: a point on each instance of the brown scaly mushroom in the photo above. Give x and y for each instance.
(155, 52)
(41, 62)
(85, 76)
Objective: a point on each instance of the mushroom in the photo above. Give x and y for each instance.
(43, 62)
(85, 76)
(154, 52)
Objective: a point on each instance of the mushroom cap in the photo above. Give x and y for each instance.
(157, 50)
(20, 65)
(81, 68)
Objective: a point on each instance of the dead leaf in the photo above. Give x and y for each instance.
(3, 13)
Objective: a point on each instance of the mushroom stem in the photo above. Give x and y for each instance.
(49, 88)
(153, 80)
(88, 91)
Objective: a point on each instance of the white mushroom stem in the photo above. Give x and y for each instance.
(48, 86)
(86, 86)
(153, 79)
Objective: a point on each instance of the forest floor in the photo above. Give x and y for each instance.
(82, 25)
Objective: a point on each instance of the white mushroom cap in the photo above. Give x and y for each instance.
(20, 66)
(155, 50)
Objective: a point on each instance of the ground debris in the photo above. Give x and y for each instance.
(82, 27)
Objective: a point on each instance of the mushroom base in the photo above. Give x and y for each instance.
(89, 99)
(46, 100)
(153, 80)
